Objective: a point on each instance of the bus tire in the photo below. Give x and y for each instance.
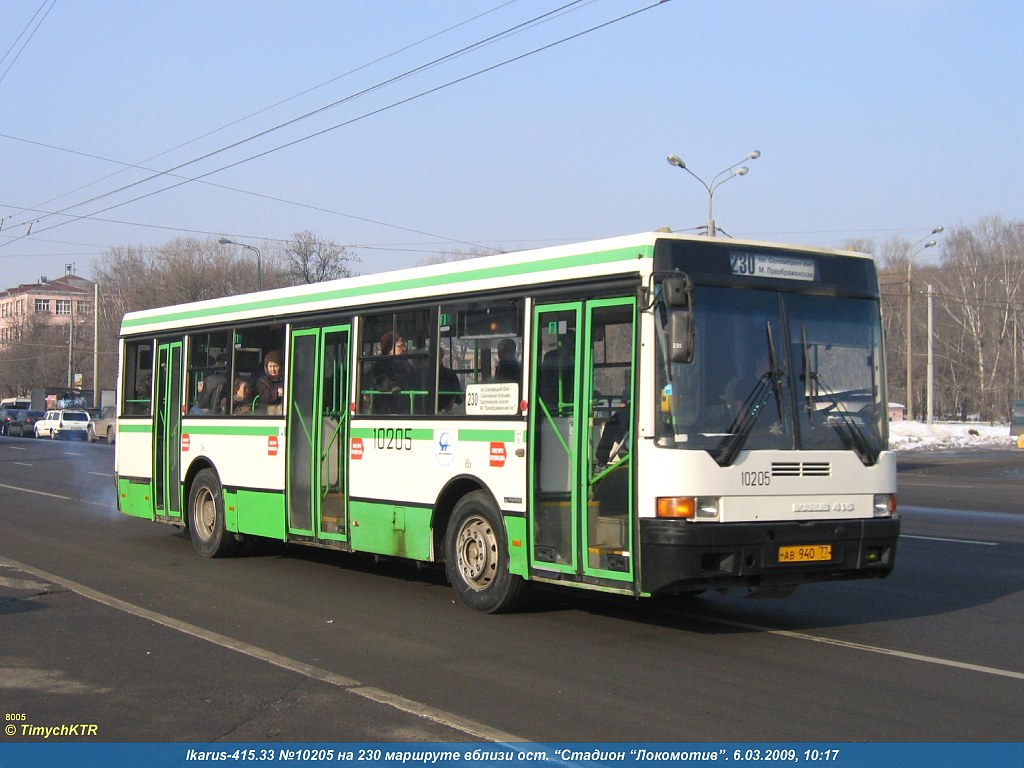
(206, 524)
(477, 559)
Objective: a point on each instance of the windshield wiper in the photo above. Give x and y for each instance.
(743, 424)
(810, 375)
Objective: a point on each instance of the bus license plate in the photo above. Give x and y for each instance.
(805, 553)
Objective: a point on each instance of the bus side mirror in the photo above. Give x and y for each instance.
(677, 290)
(680, 336)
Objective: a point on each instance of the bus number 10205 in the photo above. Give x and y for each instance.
(393, 438)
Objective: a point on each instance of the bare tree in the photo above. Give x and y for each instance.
(982, 283)
(309, 258)
(39, 356)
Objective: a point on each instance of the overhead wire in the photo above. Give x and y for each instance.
(139, 165)
(374, 112)
(408, 73)
(28, 39)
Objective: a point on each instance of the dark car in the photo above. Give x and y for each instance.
(6, 415)
(24, 423)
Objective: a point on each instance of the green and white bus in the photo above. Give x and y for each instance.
(654, 414)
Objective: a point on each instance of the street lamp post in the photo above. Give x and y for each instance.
(259, 260)
(719, 179)
(914, 250)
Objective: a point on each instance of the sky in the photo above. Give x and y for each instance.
(401, 129)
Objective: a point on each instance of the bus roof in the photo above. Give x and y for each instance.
(625, 255)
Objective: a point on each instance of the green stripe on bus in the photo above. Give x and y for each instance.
(487, 435)
(124, 427)
(228, 429)
(418, 283)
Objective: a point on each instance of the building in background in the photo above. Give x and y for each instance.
(59, 302)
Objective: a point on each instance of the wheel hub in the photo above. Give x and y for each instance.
(477, 550)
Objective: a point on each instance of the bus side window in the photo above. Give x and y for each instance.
(479, 344)
(138, 378)
(397, 364)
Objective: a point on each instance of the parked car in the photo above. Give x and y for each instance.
(6, 415)
(65, 423)
(23, 424)
(104, 424)
(47, 425)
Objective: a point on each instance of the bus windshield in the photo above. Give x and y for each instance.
(774, 370)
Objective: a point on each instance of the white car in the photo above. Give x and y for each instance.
(65, 423)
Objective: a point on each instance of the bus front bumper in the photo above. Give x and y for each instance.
(680, 556)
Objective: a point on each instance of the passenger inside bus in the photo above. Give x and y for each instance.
(449, 389)
(558, 375)
(392, 376)
(212, 391)
(241, 399)
(508, 368)
(270, 385)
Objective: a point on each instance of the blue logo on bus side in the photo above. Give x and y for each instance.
(445, 449)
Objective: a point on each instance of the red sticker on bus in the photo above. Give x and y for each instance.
(498, 454)
(272, 445)
(357, 448)
(184, 443)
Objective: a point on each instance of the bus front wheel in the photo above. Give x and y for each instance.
(206, 524)
(477, 559)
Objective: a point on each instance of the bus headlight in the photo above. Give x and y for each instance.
(688, 507)
(884, 504)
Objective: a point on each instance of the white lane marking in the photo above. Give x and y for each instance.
(953, 541)
(38, 493)
(862, 647)
(33, 586)
(471, 728)
(103, 504)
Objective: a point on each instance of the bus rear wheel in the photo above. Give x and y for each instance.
(206, 524)
(477, 559)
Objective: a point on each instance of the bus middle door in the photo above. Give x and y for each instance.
(318, 423)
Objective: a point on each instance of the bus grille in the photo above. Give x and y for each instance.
(801, 469)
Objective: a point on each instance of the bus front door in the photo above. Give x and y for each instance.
(582, 477)
(167, 432)
(318, 433)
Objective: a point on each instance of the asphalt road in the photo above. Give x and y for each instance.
(116, 622)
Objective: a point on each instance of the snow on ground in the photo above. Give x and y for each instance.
(946, 435)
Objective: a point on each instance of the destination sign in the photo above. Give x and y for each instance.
(745, 264)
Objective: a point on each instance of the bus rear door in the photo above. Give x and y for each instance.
(167, 432)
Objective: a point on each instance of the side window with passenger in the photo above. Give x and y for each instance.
(396, 363)
(480, 342)
(208, 373)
